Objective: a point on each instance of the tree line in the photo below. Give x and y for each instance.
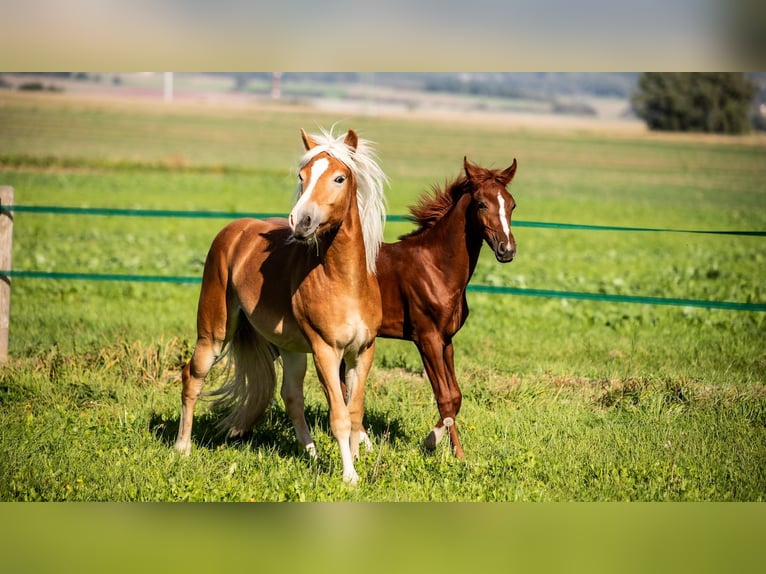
(711, 102)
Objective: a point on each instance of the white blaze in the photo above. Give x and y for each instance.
(503, 218)
(317, 169)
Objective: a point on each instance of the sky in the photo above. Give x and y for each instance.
(396, 35)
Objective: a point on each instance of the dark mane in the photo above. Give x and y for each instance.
(432, 207)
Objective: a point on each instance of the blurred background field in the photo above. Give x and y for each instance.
(564, 399)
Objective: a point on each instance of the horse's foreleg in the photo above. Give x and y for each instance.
(193, 379)
(436, 360)
(293, 373)
(327, 361)
(358, 368)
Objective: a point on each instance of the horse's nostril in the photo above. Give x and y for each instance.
(505, 251)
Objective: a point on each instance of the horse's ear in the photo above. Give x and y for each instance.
(509, 172)
(470, 169)
(308, 141)
(352, 140)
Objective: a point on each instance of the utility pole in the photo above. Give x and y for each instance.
(276, 85)
(6, 241)
(168, 86)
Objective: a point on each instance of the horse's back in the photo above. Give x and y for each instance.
(248, 268)
(242, 243)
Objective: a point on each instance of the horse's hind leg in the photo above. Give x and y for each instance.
(213, 330)
(293, 373)
(193, 378)
(437, 358)
(457, 399)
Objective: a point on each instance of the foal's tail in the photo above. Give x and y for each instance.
(248, 394)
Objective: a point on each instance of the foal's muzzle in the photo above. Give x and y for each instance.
(505, 252)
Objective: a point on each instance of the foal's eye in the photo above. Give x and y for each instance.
(340, 179)
(482, 205)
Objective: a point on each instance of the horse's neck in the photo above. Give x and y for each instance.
(454, 243)
(345, 255)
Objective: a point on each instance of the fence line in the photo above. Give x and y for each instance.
(9, 209)
(614, 298)
(192, 214)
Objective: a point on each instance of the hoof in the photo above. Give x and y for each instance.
(430, 442)
(351, 478)
(365, 440)
(434, 437)
(236, 433)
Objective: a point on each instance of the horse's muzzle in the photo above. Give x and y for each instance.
(304, 223)
(304, 228)
(505, 252)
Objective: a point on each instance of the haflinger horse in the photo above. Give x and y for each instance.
(288, 287)
(423, 276)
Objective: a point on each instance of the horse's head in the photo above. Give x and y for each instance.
(492, 207)
(326, 185)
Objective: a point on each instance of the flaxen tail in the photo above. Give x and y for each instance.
(248, 394)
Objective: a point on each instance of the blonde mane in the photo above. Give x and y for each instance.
(370, 181)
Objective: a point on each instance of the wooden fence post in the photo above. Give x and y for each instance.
(6, 242)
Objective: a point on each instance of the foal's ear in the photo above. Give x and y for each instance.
(508, 173)
(352, 140)
(471, 170)
(308, 141)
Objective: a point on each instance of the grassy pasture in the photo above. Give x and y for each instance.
(563, 400)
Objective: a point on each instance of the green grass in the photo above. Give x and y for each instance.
(563, 399)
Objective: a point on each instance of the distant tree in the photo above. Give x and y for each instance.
(716, 102)
(758, 111)
(241, 80)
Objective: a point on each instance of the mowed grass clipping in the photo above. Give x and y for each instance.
(563, 399)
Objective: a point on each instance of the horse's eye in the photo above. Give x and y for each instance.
(482, 205)
(300, 178)
(340, 179)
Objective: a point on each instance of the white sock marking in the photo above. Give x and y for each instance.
(365, 440)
